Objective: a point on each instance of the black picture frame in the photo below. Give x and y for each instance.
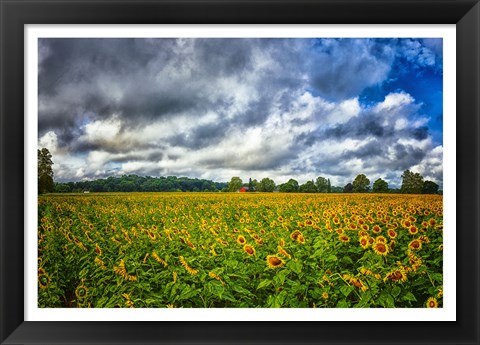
(14, 14)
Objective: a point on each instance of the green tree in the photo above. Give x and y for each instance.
(412, 183)
(430, 187)
(235, 184)
(250, 185)
(361, 184)
(322, 184)
(45, 171)
(308, 187)
(329, 186)
(380, 186)
(266, 185)
(348, 188)
(289, 187)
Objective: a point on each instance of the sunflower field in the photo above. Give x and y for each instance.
(247, 250)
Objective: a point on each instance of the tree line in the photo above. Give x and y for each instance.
(412, 183)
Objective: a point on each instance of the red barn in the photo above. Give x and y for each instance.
(243, 190)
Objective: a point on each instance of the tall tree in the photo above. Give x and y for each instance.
(250, 185)
(430, 187)
(380, 186)
(322, 184)
(45, 171)
(361, 184)
(412, 183)
(266, 185)
(329, 186)
(235, 184)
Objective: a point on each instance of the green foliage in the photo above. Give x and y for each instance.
(380, 186)
(308, 187)
(322, 184)
(289, 187)
(412, 183)
(235, 184)
(361, 184)
(45, 171)
(136, 183)
(430, 187)
(266, 185)
(348, 188)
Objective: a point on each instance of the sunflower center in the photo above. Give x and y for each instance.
(381, 248)
(275, 261)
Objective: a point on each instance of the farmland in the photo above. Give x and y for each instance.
(250, 250)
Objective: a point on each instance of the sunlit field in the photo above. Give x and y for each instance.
(216, 250)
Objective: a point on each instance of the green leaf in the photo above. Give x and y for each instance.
(187, 293)
(264, 283)
(346, 290)
(396, 291)
(331, 258)
(386, 300)
(409, 297)
(343, 304)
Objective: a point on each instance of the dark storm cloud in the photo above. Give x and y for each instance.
(353, 65)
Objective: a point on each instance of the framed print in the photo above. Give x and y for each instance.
(239, 172)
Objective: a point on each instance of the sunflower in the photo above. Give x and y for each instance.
(432, 302)
(283, 252)
(424, 239)
(274, 261)
(187, 267)
(295, 234)
(98, 250)
(325, 295)
(398, 275)
(380, 248)
(364, 242)
(308, 222)
(249, 249)
(391, 233)
(241, 240)
(377, 229)
(413, 230)
(339, 231)
(344, 238)
(43, 280)
(81, 291)
(282, 242)
(415, 244)
(301, 239)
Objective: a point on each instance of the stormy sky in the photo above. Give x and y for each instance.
(253, 108)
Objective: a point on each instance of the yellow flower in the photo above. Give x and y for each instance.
(159, 259)
(274, 261)
(120, 269)
(249, 249)
(432, 302)
(397, 275)
(380, 248)
(415, 244)
(241, 240)
(187, 267)
(283, 252)
(81, 292)
(43, 280)
(214, 276)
